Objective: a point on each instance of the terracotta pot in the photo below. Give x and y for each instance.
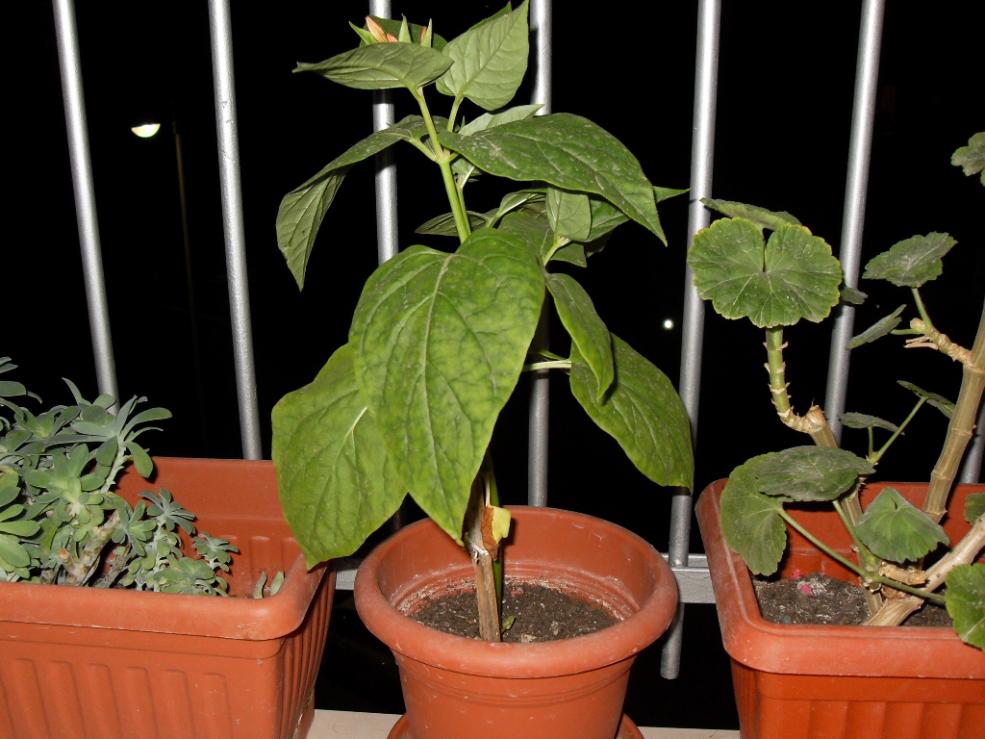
(455, 687)
(87, 662)
(854, 682)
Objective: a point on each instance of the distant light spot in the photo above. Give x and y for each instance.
(668, 324)
(146, 130)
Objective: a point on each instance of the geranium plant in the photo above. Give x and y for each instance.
(903, 556)
(440, 338)
(61, 520)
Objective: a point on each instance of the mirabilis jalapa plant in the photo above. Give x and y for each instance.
(903, 554)
(439, 339)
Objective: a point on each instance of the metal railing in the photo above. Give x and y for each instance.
(690, 569)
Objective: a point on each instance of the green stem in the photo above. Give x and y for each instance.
(921, 308)
(848, 564)
(454, 112)
(874, 457)
(443, 159)
(564, 364)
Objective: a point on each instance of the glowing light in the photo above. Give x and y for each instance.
(146, 130)
(668, 324)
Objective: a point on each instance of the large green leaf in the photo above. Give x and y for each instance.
(463, 168)
(587, 331)
(911, 262)
(751, 521)
(974, 507)
(642, 412)
(382, 66)
(971, 158)
(965, 601)
(490, 60)
(760, 216)
(569, 213)
(807, 473)
(303, 209)
(440, 341)
(774, 283)
(894, 529)
(878, 329)
(529, 224)
(336, 482)
(569, 152)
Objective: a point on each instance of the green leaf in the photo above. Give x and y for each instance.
(513, 200)
(878, 329)
(965, 601)
(491, 120)
(463, 168)
(490, 60)
(20, 528)
(382, 67)
(760, 216)
(12, 552)
(569, 152)
(587, 331)
(807, 473)
(911, 262)
(862, 421)
(939, 402)
(444, 225)
(531, 227)
(303, 209)
(141, 459)
(642, 412)
(852, 296)
(569, 213)
(571, 254)
(440, 340)
(337, 484)
(895, 530)
(10, 389)
(974, 507)
(971, 158)
(751, 521)
(774, 283)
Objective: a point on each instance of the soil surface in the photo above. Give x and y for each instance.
(539, 613)
(819, 599)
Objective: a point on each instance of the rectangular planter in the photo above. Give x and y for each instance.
(108, 663)
(831, 682)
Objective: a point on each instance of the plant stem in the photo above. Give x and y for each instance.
(960, 427)
(921, 308)
(847, 563)
(564, 364)
(443, 159)
(874, 457)
(815, 424)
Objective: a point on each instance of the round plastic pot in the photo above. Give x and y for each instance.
(109, 663)
(840, 682)
(455, 687)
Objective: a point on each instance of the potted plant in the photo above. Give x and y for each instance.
(104, 630)
(813, 508)
(437, 344)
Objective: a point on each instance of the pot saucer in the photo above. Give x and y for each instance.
(627, 729)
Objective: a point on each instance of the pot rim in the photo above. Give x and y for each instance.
(808, 649)
(593, 651)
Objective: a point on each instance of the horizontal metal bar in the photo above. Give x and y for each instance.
(693, 581)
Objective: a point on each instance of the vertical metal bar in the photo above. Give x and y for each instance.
(386, 170)
(702, 167)
(223, 82)
(85, 199)
(860, 149)
(539, 411)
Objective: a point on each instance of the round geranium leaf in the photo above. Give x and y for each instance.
(911, 262)
(751, 522)
(807, 473)
(965, 600)
(894, 529)
(772, 283)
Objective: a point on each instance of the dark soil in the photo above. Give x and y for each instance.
(539, 613)
(819, 599)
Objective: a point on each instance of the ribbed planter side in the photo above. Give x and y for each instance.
(840, 682)
(455, 687)
(86, 662)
